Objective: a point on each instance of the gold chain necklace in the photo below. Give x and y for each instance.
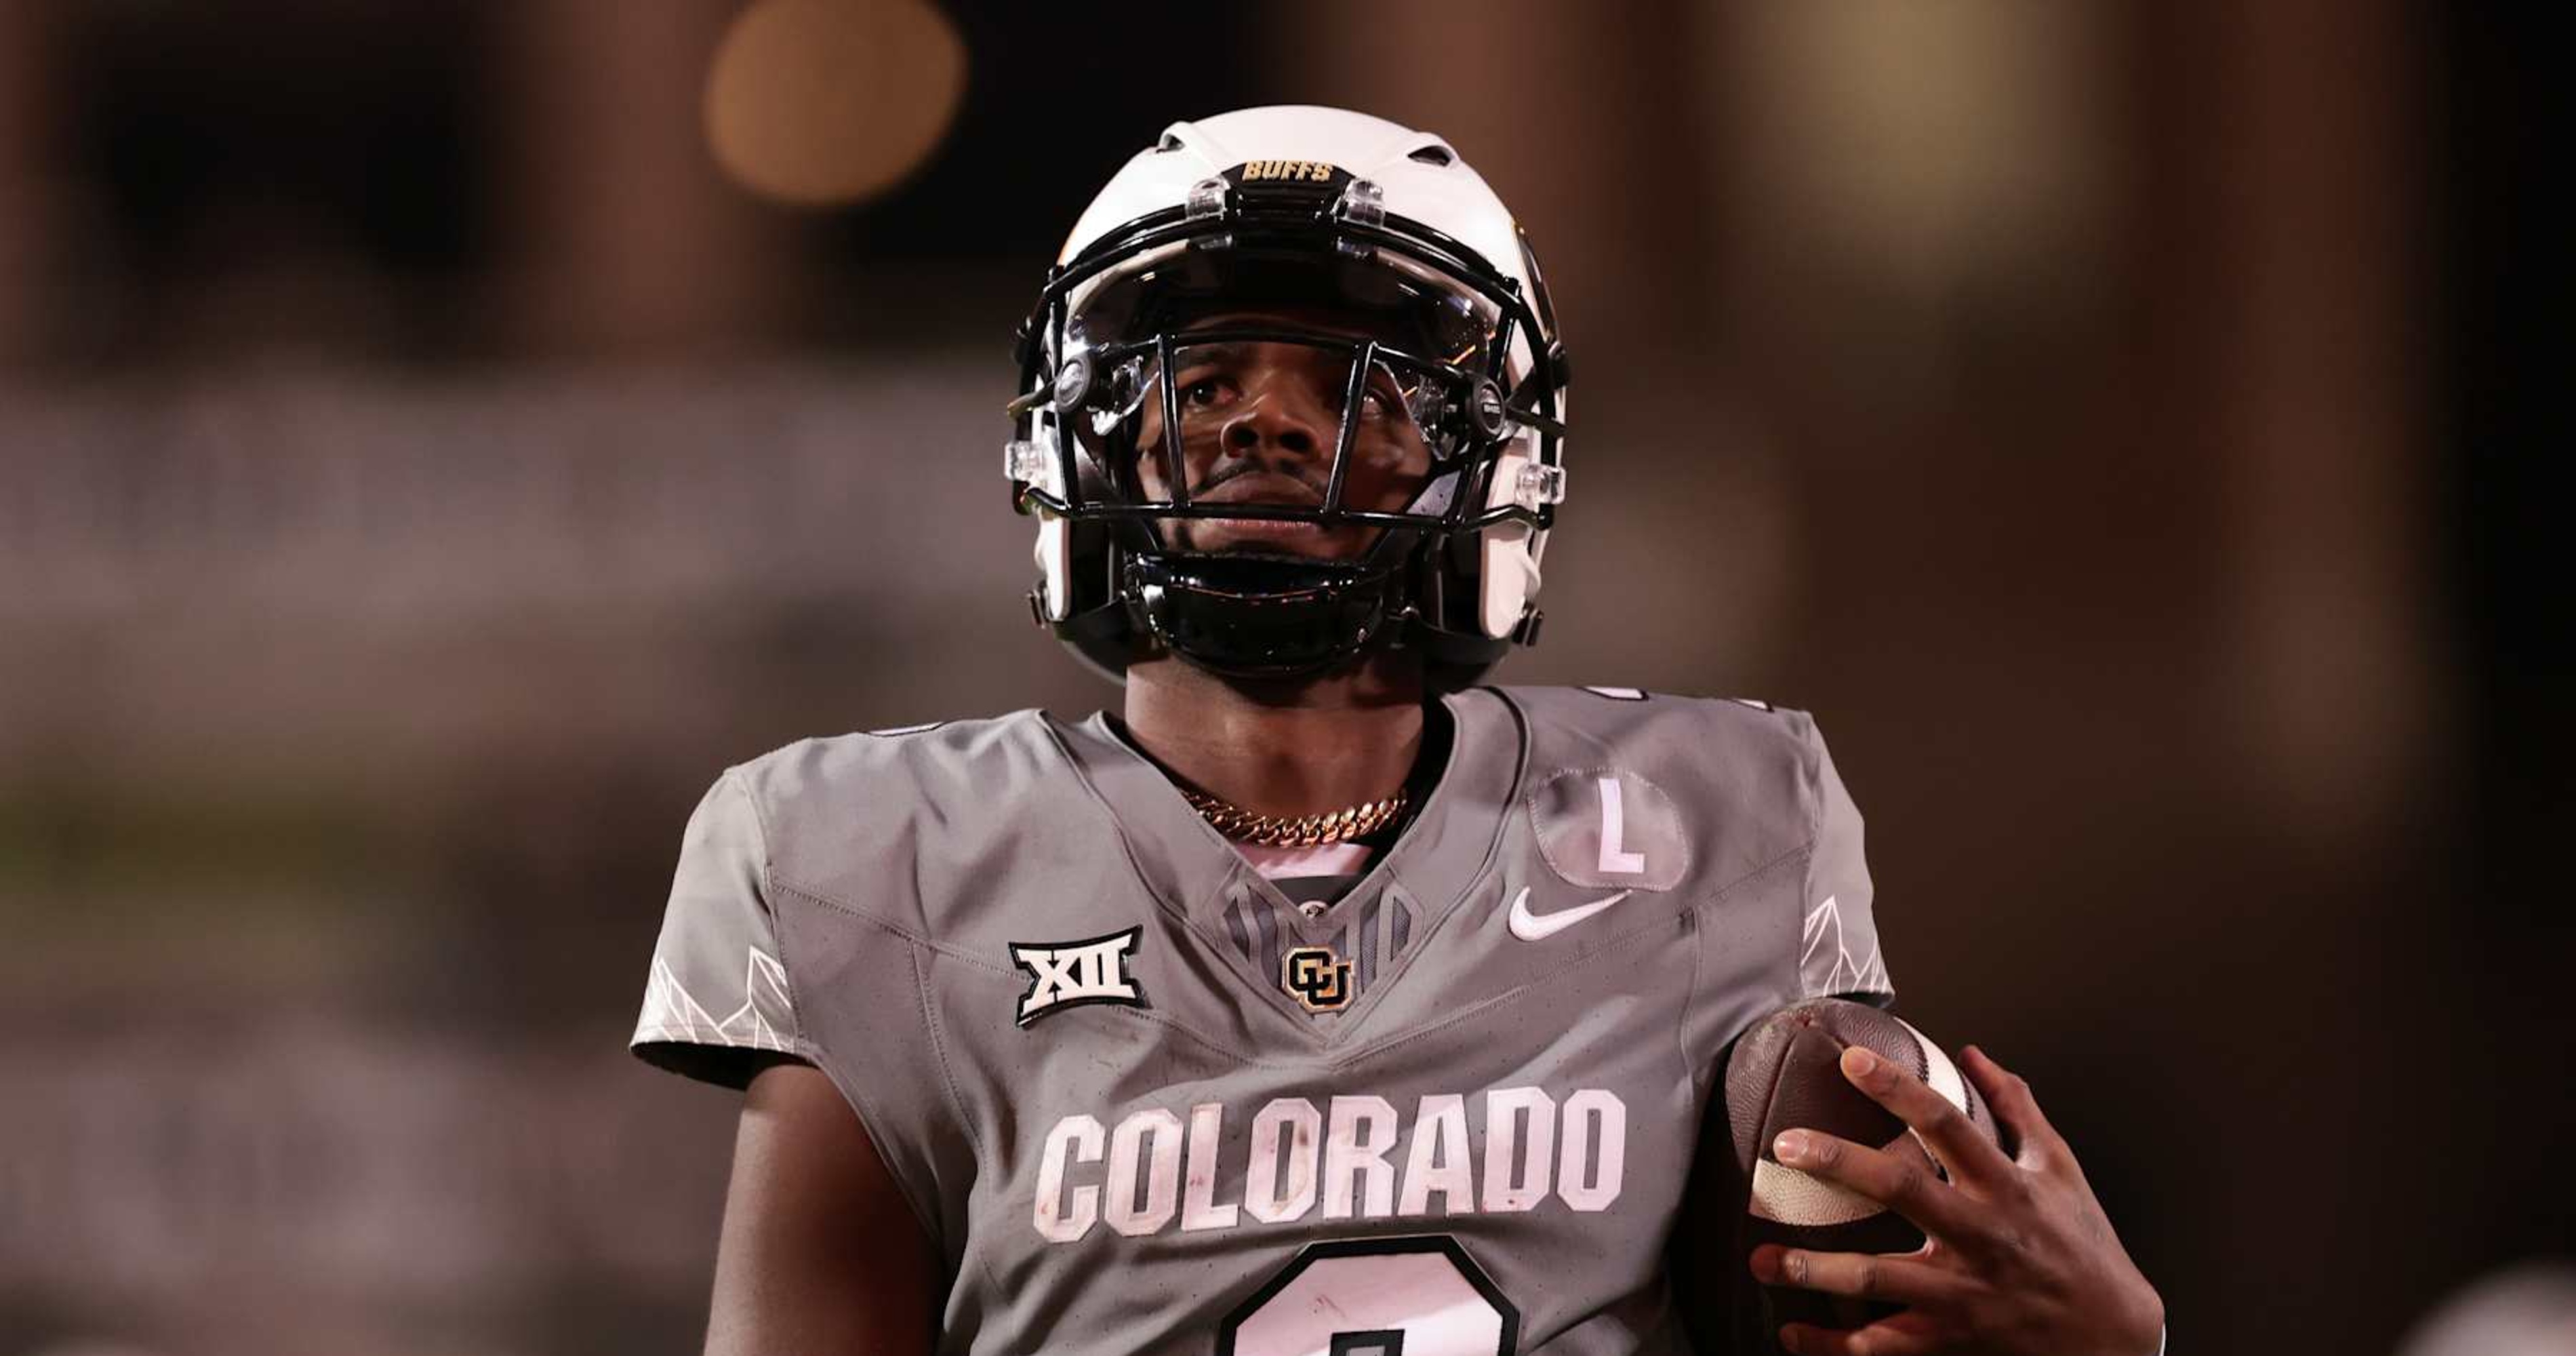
(1320, 830)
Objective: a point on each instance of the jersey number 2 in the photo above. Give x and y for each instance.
(1420, 1296)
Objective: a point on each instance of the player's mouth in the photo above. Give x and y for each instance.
(1267, 490)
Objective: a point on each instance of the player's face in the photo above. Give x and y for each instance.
(1258, 425)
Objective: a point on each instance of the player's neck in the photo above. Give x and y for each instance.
(1281, 748)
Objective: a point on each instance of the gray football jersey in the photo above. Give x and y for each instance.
(1143, 1103)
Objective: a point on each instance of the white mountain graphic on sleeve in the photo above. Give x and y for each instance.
(1824, 931)
(764, 1020)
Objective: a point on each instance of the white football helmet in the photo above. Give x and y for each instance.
(1436, 321)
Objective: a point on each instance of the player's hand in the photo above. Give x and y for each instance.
(2019, 1258)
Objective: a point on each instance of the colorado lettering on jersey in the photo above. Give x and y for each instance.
(1359, 1158)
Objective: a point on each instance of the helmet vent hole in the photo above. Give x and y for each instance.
(1170, 143)
(1433, 154)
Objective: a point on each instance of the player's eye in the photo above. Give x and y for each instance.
(1380, 400)
(1205, 392)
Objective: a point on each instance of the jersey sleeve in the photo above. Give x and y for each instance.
(716, 998)
(1838, 951)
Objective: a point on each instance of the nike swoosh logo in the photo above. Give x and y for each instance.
(1538, 927)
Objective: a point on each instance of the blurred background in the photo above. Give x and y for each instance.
(435, 437)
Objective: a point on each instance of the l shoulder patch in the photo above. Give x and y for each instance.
(1607, 828)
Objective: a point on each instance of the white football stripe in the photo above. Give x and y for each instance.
(1938, 1070)
(1942, 1077)
(1788, 1196)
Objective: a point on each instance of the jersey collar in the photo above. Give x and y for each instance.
(1447, 847)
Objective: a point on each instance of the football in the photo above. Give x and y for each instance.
(1785, 1073)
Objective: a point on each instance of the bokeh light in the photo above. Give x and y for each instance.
(825, 103)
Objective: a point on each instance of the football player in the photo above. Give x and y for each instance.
(1321, 1000)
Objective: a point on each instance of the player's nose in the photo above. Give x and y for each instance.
(1284, 411)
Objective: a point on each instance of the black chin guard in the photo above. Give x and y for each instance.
(1259, 615)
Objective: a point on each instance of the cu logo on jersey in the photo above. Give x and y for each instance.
(1318, 978)
(1073, 974)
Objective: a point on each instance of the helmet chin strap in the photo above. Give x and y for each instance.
(1261, 615)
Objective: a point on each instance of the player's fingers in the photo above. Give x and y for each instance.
(1965, 1152)
(2009, 1094)
(1903, 1334)
(1933, 1205)
(1892, 1278)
